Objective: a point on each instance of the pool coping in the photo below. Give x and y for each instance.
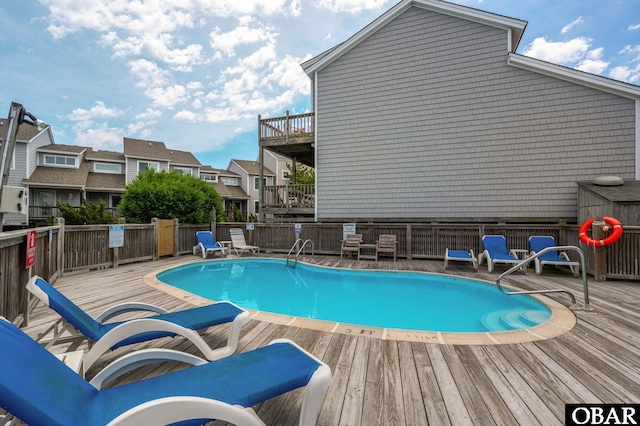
(561, 321)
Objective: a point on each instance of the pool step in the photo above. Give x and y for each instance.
(513, 320)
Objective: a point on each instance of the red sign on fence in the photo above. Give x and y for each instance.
(31, 249)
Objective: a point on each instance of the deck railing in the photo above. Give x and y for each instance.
(67, 248)
(287, 126)
(289, 196)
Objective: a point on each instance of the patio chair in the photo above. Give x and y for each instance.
(552, 257)
(387, 243)
(495, 250)
(37, 388)
(461, 256)
(78, 323)
(239, 244)
(351, 244)
(207, 244)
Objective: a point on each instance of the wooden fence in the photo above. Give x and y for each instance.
(61, 248)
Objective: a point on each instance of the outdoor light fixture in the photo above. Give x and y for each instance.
(38, 124)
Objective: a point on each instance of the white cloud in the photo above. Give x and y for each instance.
(558, 52)
(352, 6)
(571, 25)
(98, 111)
(633, 27)
(593, 63)
(167, 97)
(99, 136)
(626, 73)
(242, 35)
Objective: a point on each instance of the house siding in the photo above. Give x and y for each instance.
(425, 119)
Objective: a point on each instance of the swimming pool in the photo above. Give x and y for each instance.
(401, 300)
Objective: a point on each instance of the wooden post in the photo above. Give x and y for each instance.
(600, 252)
(408, 249)
(59, 270)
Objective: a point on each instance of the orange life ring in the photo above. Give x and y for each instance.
(612, 238)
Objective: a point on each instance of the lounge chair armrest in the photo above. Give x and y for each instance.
(137, 359)
(144, 325)
(129, 307)
(179, 408)
(315, 389)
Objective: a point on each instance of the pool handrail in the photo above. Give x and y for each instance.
(525, 262)
(302, 247)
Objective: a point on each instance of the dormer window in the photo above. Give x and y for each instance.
(230, 181)
(59, 160)
(209, 178)
(107, 168)
(143, 166)
(182, 170)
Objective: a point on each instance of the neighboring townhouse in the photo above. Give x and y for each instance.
(71, 173)
(141, 155)
(279, 165)
(227, 184)
(23, 161)
(249, 181)
(429, 114)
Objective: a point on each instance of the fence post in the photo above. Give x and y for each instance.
(59, 221)
(408, 248)
(154, 222)
(176, 237)
(600, 253)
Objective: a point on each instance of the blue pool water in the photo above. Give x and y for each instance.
(404, 300)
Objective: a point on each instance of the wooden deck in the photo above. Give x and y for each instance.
(392, 382)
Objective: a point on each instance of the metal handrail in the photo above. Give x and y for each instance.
(525, 263)
(302, 247)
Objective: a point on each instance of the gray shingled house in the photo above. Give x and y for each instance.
(429, 114)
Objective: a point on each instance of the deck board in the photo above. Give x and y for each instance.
(387, 382)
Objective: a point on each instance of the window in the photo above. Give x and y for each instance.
(256, 182)
(182, 170)
(107, 168)
(286, 174)
(209, 178)
(256, 207)
(143, 166)
(230, 181)
(59, 160)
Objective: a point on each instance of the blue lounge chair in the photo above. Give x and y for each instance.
(37, 388)
(552, 257)
(460, 255)
(207, 244)
(495, 250)
(166, 323)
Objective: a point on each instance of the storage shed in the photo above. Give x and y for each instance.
(615, 199)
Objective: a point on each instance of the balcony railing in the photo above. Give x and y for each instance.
(44, 212)
(289, 126)
(295, 196)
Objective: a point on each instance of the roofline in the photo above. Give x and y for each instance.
(515, 27)
(594, 81)
(53, 185)
(56, 151)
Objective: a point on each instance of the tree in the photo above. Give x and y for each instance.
(170, 195)
(304, 174)
(87, 213)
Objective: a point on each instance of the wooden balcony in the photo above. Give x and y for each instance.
(291, 136)
(296, 199)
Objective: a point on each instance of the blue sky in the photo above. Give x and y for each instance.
(195, 74)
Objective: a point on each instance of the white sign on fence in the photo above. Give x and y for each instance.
(298, 228)
(348, 228)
